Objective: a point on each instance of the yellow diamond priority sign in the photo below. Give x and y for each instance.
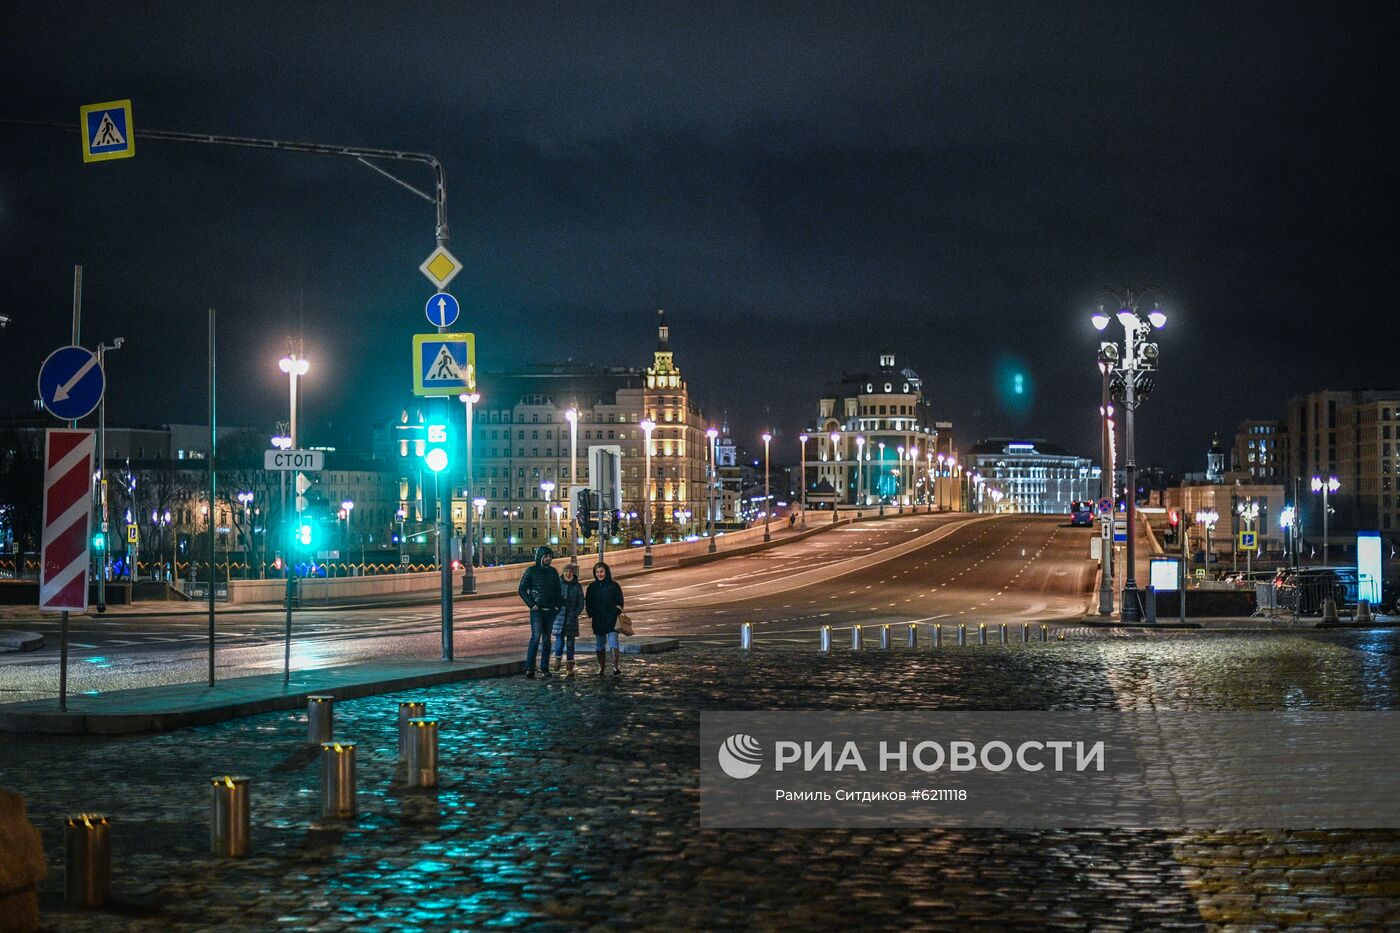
(440, 267)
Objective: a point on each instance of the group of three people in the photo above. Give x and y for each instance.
(556, 602)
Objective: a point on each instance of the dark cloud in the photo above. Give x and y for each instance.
(801, 185)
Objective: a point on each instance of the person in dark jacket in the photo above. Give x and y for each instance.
(603, 603)
(541, 589)
(566, 622)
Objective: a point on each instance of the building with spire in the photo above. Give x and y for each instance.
(533, 429)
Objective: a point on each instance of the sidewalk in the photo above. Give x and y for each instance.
(1236, 623)
(161, 709)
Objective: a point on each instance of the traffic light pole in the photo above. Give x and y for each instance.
(213, 504)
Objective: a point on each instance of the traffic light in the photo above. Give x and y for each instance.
(99, 541)
(304, 534)
(586, 515)
(435, 451)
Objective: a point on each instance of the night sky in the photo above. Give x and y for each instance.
(800, 186)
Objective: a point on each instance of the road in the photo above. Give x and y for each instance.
(913, 568)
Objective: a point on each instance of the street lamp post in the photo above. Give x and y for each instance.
(572, 416)
(480, 507)
(803, 438)
(347, 507)
(899, 479)
(1208, 518)
(295, 367)
(767, 489)
(647, 427)
(880, 478)
(1249, 511)
(1136, 362)
(1326, 487)
(860, 474)
(469, 399)
(713, 435)
(547, 488)
(930, 481)
(835, 462)
(245, 498)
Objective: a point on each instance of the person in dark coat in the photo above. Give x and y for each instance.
(603, 603)
(566, 622)
(542, 590)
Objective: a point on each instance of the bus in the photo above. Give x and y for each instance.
(1081, 513)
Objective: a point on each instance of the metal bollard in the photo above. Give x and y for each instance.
(825, 640)
(884, 638)
(423, 753)
(938, 634)
(229, 823)
(1025, 632)
(981, 633)
(87, 844)
(913, 635)
(746, 636)
(962, 634)
(408, 709)
(856, 637)
(337, 780)
(1003, 633)
(1044, 633)
(320, 719)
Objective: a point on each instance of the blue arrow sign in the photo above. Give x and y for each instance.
(71, 383)
(442, 310)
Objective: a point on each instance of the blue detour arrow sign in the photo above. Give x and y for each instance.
(71, 383)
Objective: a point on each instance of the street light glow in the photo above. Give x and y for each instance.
(1157, 317)
(294, 365)
(1100, 320)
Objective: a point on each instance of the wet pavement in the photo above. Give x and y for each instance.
(567, 804)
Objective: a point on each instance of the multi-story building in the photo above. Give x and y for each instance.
(532, 432)
(1028, 475)
(1257, 452)
(875, 438)
(1353, 435)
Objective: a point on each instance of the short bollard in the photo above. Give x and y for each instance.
(87, 844)
(856, 637)
(408, 709)
(938, 634)
(1044, 633)
(337, 780)
(320, 719)
(962, 635)
(1025, 632)
(884, 638)
(1003, 633)
(746, 636)
(422, 752)
(981, 633)
(913, 635)
(825, 647)
(229, 823)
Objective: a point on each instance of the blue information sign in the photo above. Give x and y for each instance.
(442, 310)
(71, 382)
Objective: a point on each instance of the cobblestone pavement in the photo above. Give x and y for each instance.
(568, 804)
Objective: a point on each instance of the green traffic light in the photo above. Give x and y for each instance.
(304, 534)
(99, 541)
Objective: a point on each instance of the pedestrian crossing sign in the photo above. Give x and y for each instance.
(107, 131)
(444, 364)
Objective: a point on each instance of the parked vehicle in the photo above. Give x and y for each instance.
(1304, 589)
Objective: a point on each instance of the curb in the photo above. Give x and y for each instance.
(12, 640)
(222, 703)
